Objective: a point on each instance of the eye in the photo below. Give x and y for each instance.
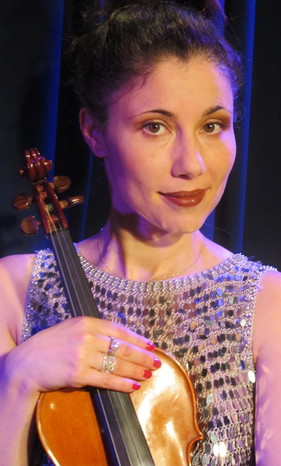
(214, 127)
(154, 127)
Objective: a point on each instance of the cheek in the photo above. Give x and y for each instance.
(127, 163)
(125, 173)
(222, 165)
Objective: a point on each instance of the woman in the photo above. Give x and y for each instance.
(157, 85)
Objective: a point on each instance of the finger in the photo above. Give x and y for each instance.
(114, 365)
(104, 372)
(120, 332)
(90, 348)
(134, 354)
(114, 382)
(97, 333)
(113, 346)
(124, 351)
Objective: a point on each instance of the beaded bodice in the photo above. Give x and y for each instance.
(204, 320)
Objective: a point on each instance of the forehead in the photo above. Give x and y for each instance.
(173, 84)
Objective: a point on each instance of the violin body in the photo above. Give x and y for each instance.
(165, 406)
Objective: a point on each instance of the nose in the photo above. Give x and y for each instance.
(187, 158)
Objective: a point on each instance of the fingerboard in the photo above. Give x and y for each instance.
(124, 441)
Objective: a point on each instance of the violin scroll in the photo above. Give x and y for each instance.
(37, 167)
(44, 195)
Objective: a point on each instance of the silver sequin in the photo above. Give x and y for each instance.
(204, 320)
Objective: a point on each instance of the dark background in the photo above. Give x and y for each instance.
(38, 110)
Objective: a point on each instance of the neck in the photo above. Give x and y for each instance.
(151, 257)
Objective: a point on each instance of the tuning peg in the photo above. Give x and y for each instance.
(29, 225)
(61, 183)
(71, 202)
(22, 202)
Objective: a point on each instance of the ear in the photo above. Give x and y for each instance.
(92, 133)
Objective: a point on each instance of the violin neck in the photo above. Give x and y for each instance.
(124, 440)
(75, 283)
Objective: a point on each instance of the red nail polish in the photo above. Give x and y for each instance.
(150, 346)
(157, 363)
(136, 386)
(147, 374)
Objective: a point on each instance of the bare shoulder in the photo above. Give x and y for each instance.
(267, 352)
(20, 260)
(267, 323)
(16, 270)
(14, 279)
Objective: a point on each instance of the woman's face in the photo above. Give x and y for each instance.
(168, 146)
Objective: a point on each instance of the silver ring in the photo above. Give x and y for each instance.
(108, 363)
(113, 346)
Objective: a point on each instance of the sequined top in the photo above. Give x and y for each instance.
(204, 320)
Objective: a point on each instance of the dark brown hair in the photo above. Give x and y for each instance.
(134, 36)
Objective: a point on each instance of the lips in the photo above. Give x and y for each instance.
(185, 198)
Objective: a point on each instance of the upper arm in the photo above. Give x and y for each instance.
(267, 351)
(14, 278)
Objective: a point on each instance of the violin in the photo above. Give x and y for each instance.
(93, 426)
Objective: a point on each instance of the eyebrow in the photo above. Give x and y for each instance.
(209, 111)
(215, 109)
(162, 112)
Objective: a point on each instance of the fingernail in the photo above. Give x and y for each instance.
(150, 346)
(147, 374)
(136, 386)
(157, 363)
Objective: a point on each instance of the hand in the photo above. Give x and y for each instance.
(71, 354)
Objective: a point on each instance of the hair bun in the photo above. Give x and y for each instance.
(93, 15)
(209, 8)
